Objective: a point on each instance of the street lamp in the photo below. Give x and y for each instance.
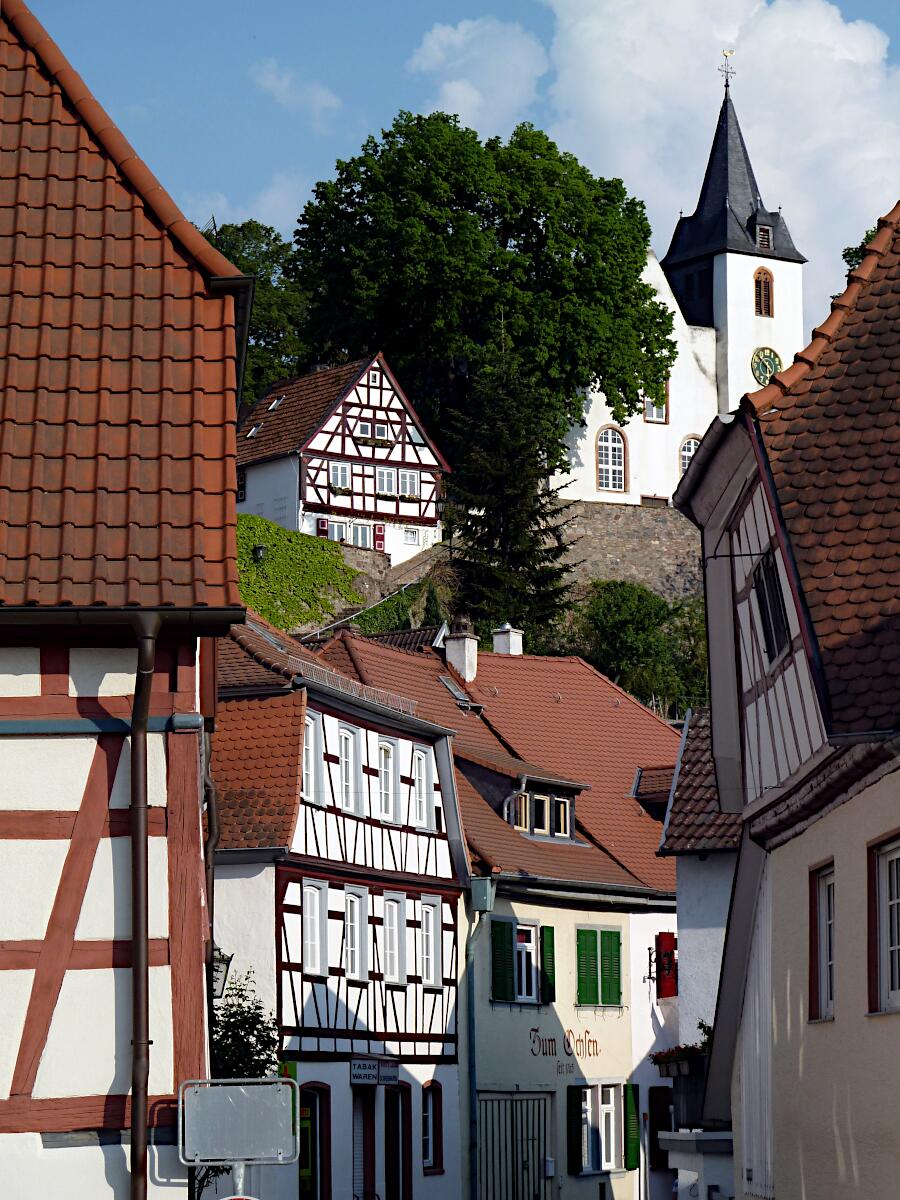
(220, 965)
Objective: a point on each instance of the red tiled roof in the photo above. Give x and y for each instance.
(256, 755)
(257, 655)
(117, 359)
(653, 783)
(307, 401)
(558, 712)
(407, 639)
(695, 823)
(830, 426)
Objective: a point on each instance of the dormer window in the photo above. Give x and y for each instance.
(764, 237)
(770, 602)
(561, 815)
(764, 293)
(520, 812)
(541, 816)
(540, 808)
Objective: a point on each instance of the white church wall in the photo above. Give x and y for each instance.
(740, 332)
(653, 450)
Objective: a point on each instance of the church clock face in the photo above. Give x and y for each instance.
(764, 364)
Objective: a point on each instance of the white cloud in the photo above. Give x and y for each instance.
(313, 99)
(485, 70)
(635, 94)
(277, 204)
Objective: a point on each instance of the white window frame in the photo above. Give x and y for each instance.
(333, 527)
(684, 458)
(411, 536)
(356, 933)
(599, 1154)
(521, 804)
(364, 429)
(387, 430)
(421, 788)
(349, 791)
(611, 460)
(529, 992)
(428, 1127)
(314, 951)
(433, 977)
(358, 528)
(655, 414)
(544, 829)
(374, 377)
(386, 481)
(339, 474)
(825, 912)
(889, 926)
(410, 476)
(388, 774)
(561, 804)
(396, 972)
(311, 778)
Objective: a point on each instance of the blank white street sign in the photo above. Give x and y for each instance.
(225, 1121)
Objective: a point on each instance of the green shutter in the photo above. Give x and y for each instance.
(548, 965)
(502, 961)
(632, 1128)
(573, 1130)
(586, 947)
(610, 966)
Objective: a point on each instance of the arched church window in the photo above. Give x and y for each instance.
(687, 451)
(611, 463)
(764, 290)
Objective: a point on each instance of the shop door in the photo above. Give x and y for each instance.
(513, 1147)
(309, 1165)
(364, 1143)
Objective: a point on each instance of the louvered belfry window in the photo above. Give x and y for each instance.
(764, 293)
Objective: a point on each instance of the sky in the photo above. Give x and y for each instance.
(240, 108)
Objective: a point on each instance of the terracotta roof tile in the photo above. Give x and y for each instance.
(307, 401)
(694, 822)
(830, 426)
(408, 639)
(256, 754)
(117, 361)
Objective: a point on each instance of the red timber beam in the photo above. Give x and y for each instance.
(22, 1114)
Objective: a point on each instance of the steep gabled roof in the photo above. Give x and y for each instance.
(307, 402)
(830, 430)
(694, 822)
(118, 360)
(730, 206)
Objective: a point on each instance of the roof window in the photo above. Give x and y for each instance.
(253, 430)
(276, 403)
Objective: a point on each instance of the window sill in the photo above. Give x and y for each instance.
(822, 1020)
(602, 1007)
(433, 1171)
(360, 983)
(884, 1012)
(435, 988)
(531, 1005)
(395, 985)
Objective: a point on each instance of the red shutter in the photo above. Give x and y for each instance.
(321, 527)
(379, 538)
(666, 966)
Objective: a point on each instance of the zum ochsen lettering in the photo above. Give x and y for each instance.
(581, 1045)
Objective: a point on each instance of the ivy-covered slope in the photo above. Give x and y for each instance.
(299, 579)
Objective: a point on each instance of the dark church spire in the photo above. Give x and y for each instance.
(730, 217)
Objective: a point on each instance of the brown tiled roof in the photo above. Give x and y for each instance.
(117, 359)
(307, 401)
(407, 639)
(830, 426)
(694, 822)
(255, 764)
(653, 783)
(557, 712)
(257, 655)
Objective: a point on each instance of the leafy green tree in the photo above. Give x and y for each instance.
(507, 521)
(653, 649)
(852, 255)
(245, 1042)
(430, 241)
(276, 347)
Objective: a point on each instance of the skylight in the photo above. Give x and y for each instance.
(253, 430)
(275, 403)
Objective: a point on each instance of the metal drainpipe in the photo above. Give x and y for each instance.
(146, 629)
(473, 1083)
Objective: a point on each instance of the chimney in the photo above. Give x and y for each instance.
(461, 649)
(507, 640)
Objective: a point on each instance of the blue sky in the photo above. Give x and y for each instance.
(239, 108)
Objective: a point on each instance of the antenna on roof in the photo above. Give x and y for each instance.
(727, 69)
(211, 228)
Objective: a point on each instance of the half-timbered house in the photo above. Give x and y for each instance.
(338, 878)
(119, 364)
(566, 904)
(796, 497)
(341, 453)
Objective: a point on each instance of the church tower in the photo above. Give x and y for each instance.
(732, 265)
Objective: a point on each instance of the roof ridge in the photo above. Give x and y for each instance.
(289, 380)
(824, 335)
(35, 37)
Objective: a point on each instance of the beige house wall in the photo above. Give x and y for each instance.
(836, 1105)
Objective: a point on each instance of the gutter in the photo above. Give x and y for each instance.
(146, 627)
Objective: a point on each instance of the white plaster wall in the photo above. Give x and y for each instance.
(245, 923)
(15, 991)
(739, 331)
(654, 1026)
(273, 491)
(395, 545)
(106, 909)
(30, 871)
(20, 671)
(44, 773)
(653, 450)
(704, 895)
(102, 671)
(156, 773)
(88, 1051)
(32, 1171)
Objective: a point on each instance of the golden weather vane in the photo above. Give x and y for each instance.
(727, 69)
